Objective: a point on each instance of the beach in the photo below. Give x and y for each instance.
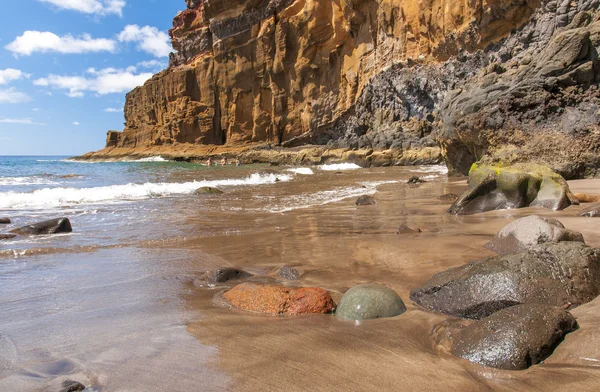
(120, 304)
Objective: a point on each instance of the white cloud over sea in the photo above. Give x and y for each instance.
(93, 7)
(33, 41)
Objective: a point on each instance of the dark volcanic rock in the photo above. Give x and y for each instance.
(52, 226)
(518, 186)
(528, 233)
(279, 299)
(4, 221)
(591, 211)
(559, 274)
(513, 338)
(7, 236)
(207, 190)
(289, 273)
(369, 301)
(539, 102)
(72, 386)
(223, 275)
(365, 200)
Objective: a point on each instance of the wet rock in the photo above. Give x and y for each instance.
(289, 273)
(223, 275)
(415, 180)
(7, 236)
(72, 386)
(587, 198)
(279, 299)
(514, 338)
(560, 274)
(8, 352)
(448, 197)
(528, 233)
(52, 226)
(369, 301)
(403, 229)
(518, 186)
(365, 200)
(207, 190)
(4, 221)
(591, 211)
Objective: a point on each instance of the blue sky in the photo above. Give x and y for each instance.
(66, 65)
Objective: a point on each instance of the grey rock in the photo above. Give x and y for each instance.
(289, 273)
(560, 274)
(365, 200)
(223, 275)
(591, 211)
(448, 197)
(415, 180)
(528, 233)
(207, 190)
(514, 338)
(404, 229)
(369, 301)
(7, 236)
(72, 386)
(52, 226)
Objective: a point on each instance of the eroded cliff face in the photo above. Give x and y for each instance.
(290, 72)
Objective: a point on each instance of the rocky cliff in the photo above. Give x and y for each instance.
(390, 75)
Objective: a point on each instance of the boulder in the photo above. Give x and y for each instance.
(207, 190)
(52, 226)
(369, 301)
(517, 186)
(223, 275)
(560, 274)
(289, 273)
(7, 236)
(514, 338)
(365, 200)
(4, 221)
(528, 233)
(72, 386)
(592, 211)
(280, 300)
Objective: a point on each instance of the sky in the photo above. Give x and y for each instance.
(66, 65)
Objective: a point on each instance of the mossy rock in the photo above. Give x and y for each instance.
(517, 186)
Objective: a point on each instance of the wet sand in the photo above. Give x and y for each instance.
(131, 318)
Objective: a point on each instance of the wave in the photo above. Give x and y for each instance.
(54, 197)
(340, 166)
(28, 180)
(430, 168)
(301, 170)
(150, 159)
(321, 198)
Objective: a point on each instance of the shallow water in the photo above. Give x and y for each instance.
(118, 306)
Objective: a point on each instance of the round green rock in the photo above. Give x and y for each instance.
(370, 301)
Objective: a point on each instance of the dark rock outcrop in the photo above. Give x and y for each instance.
(4, 221)
(280, 300)
(52, 226)
(365, 200)
(207, 190)
(512, 339)
(560, 274)
(369, 301)
(72, 386)
(528, 233)
(521, 185)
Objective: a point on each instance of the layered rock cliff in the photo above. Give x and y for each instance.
(398, 75)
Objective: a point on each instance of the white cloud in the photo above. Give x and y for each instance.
(75, 123)
(24, 121)
(153, 64)
(11, 95)
(10, 74)
(98, 7)
(101, 82)
(113, 110)
(149, 39)
(44, 41)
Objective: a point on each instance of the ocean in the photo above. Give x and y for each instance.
(121, 304)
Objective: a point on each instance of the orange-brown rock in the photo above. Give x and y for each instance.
(587, 198)
(279, 299)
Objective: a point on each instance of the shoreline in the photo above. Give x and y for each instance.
(265, 153)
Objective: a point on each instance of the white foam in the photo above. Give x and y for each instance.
(321, 198)
(151, 159)
(340, 166)
(32, 180)
(53, 197)
(431, 169)
(307, 171)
